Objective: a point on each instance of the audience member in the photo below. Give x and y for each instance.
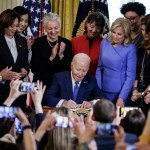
(143, 144)
(50, 53)
(10, 137)
(145, 137)
(76, 87)
(115, 75)
(89, 42)
(88, 134)
(53, 138)
(142, 81)
(13, 55)
(134, 11)
(25, 21)
(5, 125)
(134, 122)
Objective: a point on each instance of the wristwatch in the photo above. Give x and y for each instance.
(0, 77)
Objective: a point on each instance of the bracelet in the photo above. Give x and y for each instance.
(143, 94)
(26, 127)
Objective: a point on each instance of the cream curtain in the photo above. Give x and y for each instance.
(67, 10)
(5, 4)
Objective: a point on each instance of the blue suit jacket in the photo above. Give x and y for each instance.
(116, 68)
(61, 88)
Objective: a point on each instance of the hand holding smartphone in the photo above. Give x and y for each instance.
(123, 110)
(8, 112)
(63, 122)
(106, 128)
(27, 87)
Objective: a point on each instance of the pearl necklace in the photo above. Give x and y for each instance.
(53, 42)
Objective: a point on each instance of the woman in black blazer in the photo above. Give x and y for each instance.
(50, 53)
(13, 55)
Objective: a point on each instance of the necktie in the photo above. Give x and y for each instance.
(75, 92)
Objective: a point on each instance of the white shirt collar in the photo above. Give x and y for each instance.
(73, 80)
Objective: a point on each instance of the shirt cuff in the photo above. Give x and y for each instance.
(60, 103)
(94, 101)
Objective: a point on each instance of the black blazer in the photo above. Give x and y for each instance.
(61, 88)
(6, 59)
(42, 68)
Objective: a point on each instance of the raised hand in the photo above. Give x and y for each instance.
(37, 95)
(61, 50)
(54, 52)
(14, 92)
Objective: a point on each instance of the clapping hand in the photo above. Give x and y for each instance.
(23, 72)
(54, 52)
(8, 74)
(61, 50)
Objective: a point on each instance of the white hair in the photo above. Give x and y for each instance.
(81, 56)
(51, 16)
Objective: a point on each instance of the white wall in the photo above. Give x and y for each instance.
(4, 4)
(115, 5)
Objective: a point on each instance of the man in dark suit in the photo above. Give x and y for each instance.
(63, 92)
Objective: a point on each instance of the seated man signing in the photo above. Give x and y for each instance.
(74, 87)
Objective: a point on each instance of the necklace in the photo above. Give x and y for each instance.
(51, 43)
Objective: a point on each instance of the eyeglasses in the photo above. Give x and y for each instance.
(131, 18)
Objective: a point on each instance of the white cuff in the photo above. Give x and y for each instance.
(60, 103)
(94, 101)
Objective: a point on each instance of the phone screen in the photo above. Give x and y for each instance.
(18, 126)
(7, 112)
(124, 110)
(27, 87)
(63, 122)
(106, 128)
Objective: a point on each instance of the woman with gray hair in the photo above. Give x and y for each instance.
(116, 69)
(51, 53)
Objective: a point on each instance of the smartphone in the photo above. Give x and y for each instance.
(123, 110)
(106, 128)
(18, 126)
(8, 112)
(27, 87)
(131, 147)
(63, 122)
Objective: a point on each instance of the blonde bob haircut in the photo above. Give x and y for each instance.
(125, 24)
(51, 16)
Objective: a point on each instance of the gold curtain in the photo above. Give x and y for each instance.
(67, 10)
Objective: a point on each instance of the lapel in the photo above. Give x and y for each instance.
(118, 50)
(68, 85)
(7, 52)
(81, 92)
(19, 48)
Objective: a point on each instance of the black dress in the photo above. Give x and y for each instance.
(42, 68)
(143, 77)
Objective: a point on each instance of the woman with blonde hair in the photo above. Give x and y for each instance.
(116, 69)
(59, 138)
